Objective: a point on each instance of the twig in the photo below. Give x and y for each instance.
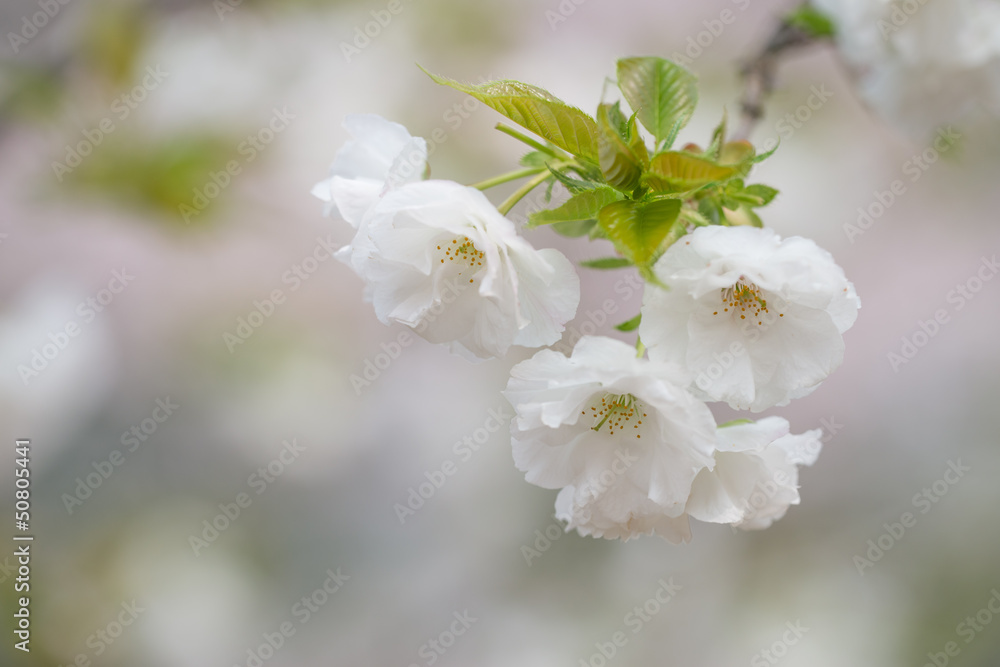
(759, 75)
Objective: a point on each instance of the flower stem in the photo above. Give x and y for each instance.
(522, 191)
(505, 178)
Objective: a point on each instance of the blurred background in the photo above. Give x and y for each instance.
(216, 471)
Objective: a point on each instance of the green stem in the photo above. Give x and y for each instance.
(523, 138)
(506, 178)
(522, 191)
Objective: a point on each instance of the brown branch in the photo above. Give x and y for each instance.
(758, 75)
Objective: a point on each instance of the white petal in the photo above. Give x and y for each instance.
(376, 144)
(353, 198)
(548, 293)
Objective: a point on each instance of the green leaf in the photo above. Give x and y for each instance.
(661, 93)
(764, 193)
(676, 171)
(736, 195)
(718, 139)
(763, 156)
(606, 263)
(620, 166)
(536, 110)
(535, 159)
(636, 142)
(575, 228)
(811, 21)
(630, 325)
(582, 206)
(639, 230)
(616, 119)
(574, 185)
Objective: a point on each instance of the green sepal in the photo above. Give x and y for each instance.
(694, 217)
(736, 422)
(754, 218)
(630, 325)
(606, 263)
(710, 210)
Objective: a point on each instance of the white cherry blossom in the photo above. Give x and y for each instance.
(756, 320)
(922, 65)
(381, 154)
(618, 434)
(755, 477)
(438, 257)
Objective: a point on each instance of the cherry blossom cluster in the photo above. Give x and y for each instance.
(731, 312)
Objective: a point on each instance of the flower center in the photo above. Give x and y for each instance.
(744, 298)
(463, 251)
(616, 411)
